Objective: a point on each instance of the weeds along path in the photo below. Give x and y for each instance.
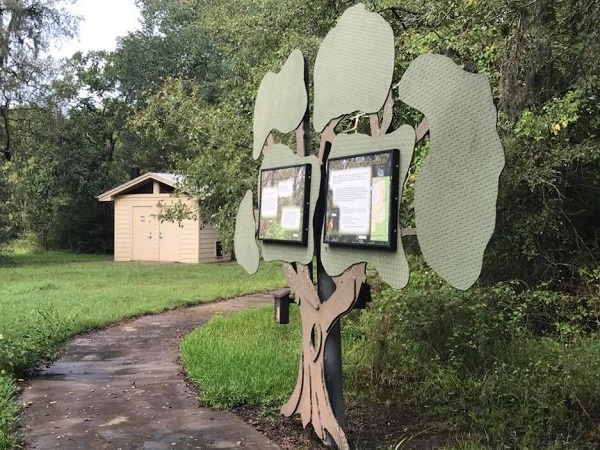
(122, 388)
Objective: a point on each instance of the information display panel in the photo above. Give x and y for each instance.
(362, 200)
(284, 201)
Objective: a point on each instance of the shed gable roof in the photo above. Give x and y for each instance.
(166, 178)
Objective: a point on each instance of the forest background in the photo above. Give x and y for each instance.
(178, 95)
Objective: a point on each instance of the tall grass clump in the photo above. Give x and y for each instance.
(33, 340)
(8, 413)
(243, 359)
(517, 367)
(30, 342)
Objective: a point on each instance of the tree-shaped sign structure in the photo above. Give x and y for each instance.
(302, 198)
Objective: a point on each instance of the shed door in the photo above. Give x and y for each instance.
(169, 243)
(144, 232)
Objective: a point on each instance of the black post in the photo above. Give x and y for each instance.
(332, 358)
(333, 351)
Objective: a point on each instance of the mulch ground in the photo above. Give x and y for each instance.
(369, 427)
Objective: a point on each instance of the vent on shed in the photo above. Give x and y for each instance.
(164, 189)
(145, 188)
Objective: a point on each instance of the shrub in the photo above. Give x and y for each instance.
(8, 413)
(518, 367)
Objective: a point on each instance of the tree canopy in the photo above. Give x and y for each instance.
(178, 95)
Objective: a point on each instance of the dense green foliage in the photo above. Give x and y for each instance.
(26, 29)
(179, 95)
(47, 297)
(545, 82)
(507, 365)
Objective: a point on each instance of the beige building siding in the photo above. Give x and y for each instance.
(186, 242)
(189, 241)
(139, 234)
(207, 249)
(123, 225)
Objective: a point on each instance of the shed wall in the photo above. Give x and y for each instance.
(178, 243)
(207, 251)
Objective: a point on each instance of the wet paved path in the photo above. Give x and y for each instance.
(122, 388)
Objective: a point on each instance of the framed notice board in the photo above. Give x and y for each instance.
(283, 206)
(362, 200)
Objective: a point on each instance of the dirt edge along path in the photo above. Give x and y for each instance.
(122, 388)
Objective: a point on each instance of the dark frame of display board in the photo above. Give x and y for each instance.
(284, 201)
(362, 200)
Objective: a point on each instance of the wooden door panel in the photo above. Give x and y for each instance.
(169, 242)
(144, 234)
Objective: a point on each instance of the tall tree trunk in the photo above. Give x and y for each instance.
(4, 112)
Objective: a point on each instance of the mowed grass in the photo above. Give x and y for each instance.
(47, 297)
(245, 358)
(94, 291)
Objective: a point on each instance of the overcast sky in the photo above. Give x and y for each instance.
(102, 21)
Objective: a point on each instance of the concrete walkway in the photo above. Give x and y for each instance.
(122, 388)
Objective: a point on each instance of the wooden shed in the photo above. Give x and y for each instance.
(141, 236)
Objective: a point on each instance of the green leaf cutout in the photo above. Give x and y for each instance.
(354, 66)
(246, 250)
(281, 101)
(456, 192)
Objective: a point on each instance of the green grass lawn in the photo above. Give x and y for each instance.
(260, 369)
(47, 297)
(93, 290)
